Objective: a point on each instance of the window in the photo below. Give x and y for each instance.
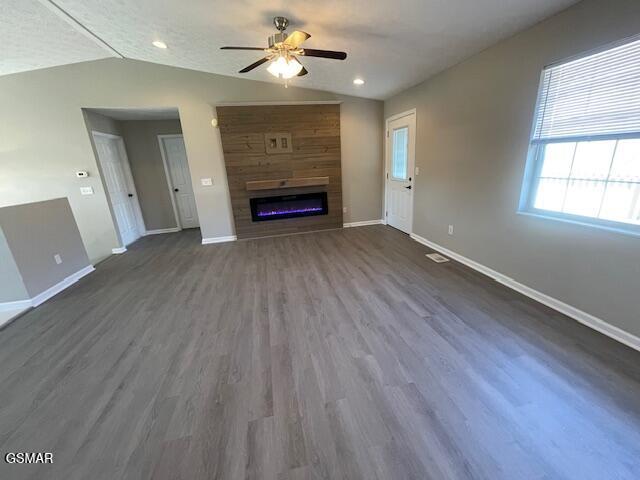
(585, 149)
(400, 157)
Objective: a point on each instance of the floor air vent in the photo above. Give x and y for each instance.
(436, 257)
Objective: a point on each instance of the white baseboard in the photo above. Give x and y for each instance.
(362, 224)
(57, 288)
(118, 250)
(16, 305)
(209, 240)
(9, 316)
(48, 293)
(569, 310)
(162, 230)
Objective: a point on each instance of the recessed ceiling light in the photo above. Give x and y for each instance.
(160, 44)
(358, 81)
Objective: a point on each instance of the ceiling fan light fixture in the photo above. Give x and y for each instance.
(282, 52)
(283, 67)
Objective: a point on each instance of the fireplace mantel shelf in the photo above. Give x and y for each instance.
(287, 183)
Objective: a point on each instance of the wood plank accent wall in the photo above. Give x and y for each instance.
(315, 137)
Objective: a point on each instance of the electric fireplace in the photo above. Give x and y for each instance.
(288, 206)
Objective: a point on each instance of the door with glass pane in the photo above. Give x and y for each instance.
(400, 161)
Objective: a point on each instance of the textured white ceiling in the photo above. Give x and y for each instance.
(32, 36)
(392, 44)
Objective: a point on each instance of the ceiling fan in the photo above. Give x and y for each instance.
(283, 51)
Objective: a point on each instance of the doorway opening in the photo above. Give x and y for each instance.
(400, 159)
(143, 164)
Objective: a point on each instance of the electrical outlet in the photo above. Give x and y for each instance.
(450, 229)
(57, 258)
(344, 209)
(206, 182)
(417, 171)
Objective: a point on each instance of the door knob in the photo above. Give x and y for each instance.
(176, 189)
(409, 187)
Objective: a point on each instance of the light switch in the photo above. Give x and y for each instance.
(206, 182)
(86, 190)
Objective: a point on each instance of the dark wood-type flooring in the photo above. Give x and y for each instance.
(344, 354)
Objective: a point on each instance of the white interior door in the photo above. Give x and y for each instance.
(117, 176)
(179, 179)
(400, 161)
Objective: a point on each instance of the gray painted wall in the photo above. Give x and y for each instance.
(101, 123)
(143, 150)
(35, 232)
(45, 137)
(362, 163)
(11, 285)
(473, 127)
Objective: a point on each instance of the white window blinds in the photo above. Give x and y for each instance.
(594, 95)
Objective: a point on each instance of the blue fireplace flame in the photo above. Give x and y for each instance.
(289, 206)
(287, 211)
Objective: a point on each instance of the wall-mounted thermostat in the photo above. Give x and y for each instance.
(82, 174)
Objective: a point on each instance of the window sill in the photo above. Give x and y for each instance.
(618, 228)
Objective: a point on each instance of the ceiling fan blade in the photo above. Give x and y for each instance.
(302, 72)
(295, 39)
(254, 65)
(310, 52)
(241, 48)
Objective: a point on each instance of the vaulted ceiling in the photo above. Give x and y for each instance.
(392, 44)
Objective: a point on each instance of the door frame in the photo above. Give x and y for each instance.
(137, 211)
(387, 161)
(167, 174)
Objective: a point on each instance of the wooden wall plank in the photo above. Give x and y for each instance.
(315, 138)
